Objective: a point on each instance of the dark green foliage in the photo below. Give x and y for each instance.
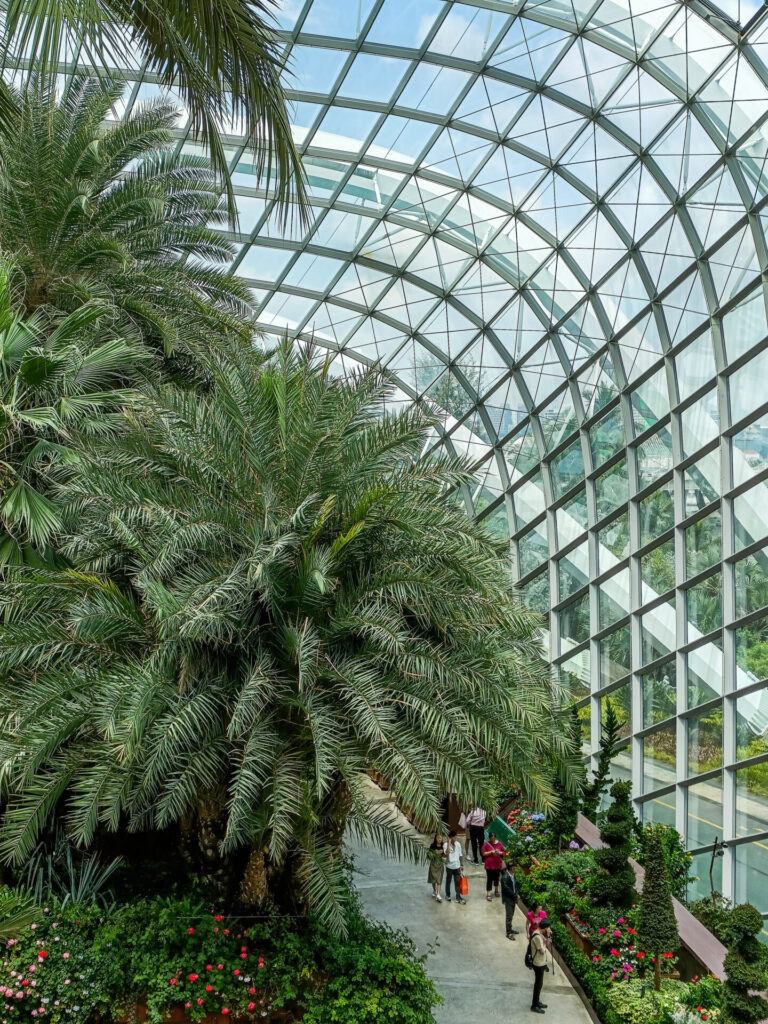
(562, 822)
(657, 927)
(746, 968)
(610, 744)
(714, 915)
(128, 953)
(615, 881)
(677, 860)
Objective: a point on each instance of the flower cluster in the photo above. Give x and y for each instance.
(528, 836)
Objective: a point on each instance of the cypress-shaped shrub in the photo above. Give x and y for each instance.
(613, 886)
(746, 967)
(656, 926)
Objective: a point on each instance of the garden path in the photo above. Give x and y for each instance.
(477, 970)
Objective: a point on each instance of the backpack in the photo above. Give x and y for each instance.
(529, 955)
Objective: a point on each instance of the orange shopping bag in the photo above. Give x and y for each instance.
(463, 885)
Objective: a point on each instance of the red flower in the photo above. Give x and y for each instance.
(209, 967)
(224, 1010)
(191, 931)
(25, 982)
(252, 991)
(173, 981)
(226, 931)
(243, 949)
(42, 954)
(187, 1005)
(236, 973)
(220, 967)
(209, 988)
(200, 1001)
(641, 954)
(243, 956)
(251, 1006)
(219, 917)
(193, 977)
(698, 1008)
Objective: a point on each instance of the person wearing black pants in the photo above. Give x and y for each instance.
(476, 825)
(509, 899)
(539, 941)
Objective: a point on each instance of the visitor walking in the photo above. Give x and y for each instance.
(475, 821)
(454, 866)
(509, 899)
(493, 853)
(540, 943)
(436, 866)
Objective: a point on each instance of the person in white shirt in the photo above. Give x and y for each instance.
(476, 824)
(454, 866)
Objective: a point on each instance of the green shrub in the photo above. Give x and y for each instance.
(614, 884)
(746, 967)
(677, 860)
(657, 927)
(89, 963)
(714, 916)
(636, 1002)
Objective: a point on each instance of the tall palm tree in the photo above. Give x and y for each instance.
(220, 55)
(109, 212)
(57, 373)
(273, 594)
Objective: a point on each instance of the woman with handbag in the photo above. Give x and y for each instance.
(454, 866)
(493, 852)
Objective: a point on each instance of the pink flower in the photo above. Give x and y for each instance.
(65, 956)
(601, 931)
(614, 952)
(622, 920)
(173, 981)
(617, 934)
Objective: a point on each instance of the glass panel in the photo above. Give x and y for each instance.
(615, 539)
(751, 582)
(659, 758)
(567, 469)
(614, 655)
(657, 514)
(657, 632)
(703, 544)
(700, 887)
(704, 605)
(572, 517)
(574, 674)
(654, 458)
(613, 595)
(607, 437)
(657, 569)
(752, 652)
(700, 423)
(573, 571)
(752, 725)
(702, 482)
(750, 516)
(535, 594)
(621, 701)
(574, 620)
(528, 501)
(660, 811)
(705, 741)
(752, 799)
(747, 387)
(705, 813)
(533, 548)
(659, 693)
(705, 674)
(749, 452)
(751, 868)
(611, 489)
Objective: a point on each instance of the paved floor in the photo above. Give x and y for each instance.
(477, 970)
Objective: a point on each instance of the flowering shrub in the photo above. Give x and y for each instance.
(529, 835)
(637, 1003)
(80, 964)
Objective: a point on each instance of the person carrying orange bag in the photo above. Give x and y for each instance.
(454, 867)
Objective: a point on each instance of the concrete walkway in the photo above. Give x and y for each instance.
(478, 971)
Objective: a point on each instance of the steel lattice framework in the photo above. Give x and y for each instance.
(547, 220)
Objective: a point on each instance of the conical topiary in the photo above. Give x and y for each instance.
(614, 884)
(656, 927)
(746, 967)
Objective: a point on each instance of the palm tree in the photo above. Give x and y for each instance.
(273, 594)
(57, 372)
(16, 913)
(219, 54)
(109, 212)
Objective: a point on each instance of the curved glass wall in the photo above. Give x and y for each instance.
(546, 219)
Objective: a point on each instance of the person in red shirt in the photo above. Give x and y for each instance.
(535, 916)
(492, 853)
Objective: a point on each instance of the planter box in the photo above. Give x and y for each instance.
(583, 942)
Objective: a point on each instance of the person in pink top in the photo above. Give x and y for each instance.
(536, 915)
(493, 858)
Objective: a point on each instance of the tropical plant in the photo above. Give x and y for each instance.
(656, 926)
(56, 373)
(614, 883)
(610, 744)
(677, 860)
(220, 55)
(274, 593)
(746, 968)
(56, 870)
(16, 913)
(109, 211)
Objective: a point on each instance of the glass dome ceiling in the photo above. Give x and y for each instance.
(546, 219)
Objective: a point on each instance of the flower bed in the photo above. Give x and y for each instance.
(173, 959)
